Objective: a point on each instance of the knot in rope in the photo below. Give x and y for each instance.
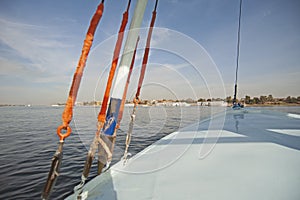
(136, 100)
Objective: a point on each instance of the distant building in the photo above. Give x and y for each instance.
(212, 103)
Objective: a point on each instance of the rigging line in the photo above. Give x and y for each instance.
(120, 82)
(105, 145)
(112, 139)
(238, 49)
(238, 41)
(140, 83)
(146, 53)
(121, 106)
(102, 113)
(101, 116)
(120, 116)
(68, 111)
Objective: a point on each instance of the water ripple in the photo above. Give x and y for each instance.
(28, 141)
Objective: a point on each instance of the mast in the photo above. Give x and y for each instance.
(120, 82)
(237, 52)
(112, 113)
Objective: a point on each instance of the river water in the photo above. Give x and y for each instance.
(28, 141)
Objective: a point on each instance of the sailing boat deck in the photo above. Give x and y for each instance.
(255, 156)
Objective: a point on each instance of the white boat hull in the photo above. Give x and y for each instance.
(255, 156)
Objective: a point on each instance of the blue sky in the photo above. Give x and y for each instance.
(40, 43)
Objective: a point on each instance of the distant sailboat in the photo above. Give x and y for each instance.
(237, 105)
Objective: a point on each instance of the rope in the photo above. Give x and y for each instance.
(102, 113)
(98, 140)
(146, 53)
(129, 133)
(238, 51)
(103, 147)
(126, 86)
(68, 111)
(140, 83)
(105, 152)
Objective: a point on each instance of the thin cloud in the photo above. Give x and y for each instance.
(36, 45)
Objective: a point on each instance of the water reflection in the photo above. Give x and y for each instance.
(237, 117)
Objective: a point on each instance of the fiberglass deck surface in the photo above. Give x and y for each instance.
(254, 156)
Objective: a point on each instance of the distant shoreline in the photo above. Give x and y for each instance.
(11, 105)
(191, 104)
(273, 105)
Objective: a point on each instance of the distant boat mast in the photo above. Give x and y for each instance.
(237, 52)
